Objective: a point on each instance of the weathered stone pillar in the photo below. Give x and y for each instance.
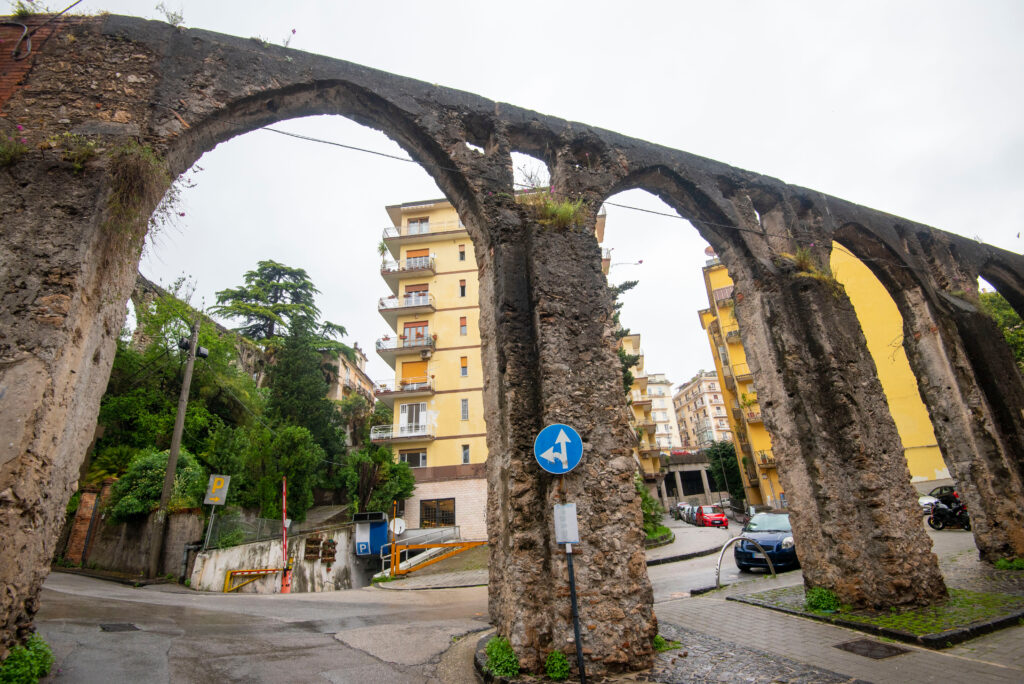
(679, 486)
(64, 279)
(550, 357)
(853, 510)
(707, 486)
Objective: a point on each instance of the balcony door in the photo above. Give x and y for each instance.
(417, 258)
(412, 419)
(414, 375)
(416, 334)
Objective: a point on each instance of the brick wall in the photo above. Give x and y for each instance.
(12, 71)
(80, 527)
(470, 504)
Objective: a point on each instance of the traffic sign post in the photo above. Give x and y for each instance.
(216, 495)
(558, 449)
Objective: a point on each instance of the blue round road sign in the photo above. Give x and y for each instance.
(558, 449)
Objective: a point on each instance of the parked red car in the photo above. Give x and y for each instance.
(711, 516)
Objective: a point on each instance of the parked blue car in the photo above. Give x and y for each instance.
(773, 532)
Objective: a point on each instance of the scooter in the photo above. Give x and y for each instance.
(943, 516)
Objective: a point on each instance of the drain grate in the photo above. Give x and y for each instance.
(872, 649)
(118, 627)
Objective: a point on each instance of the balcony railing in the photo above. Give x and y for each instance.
(422, 229)
(416, 342)
(640, 398)
(765, 458)
(407, 302)
(411, 264)
(422, 384)
(741, 371)
(753, 416)
(388, 433)
(732, 333)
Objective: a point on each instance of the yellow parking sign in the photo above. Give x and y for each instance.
(217, 490)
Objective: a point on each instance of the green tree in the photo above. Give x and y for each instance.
(289, 451)
(627, 361)
(722, 455)
(137, 492)
(373, 479)
(298, 392)
(996, 306)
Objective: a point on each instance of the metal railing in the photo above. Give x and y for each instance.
(424, 341)
(406, 385)
(409, 264)
(409, 300)
(387, 433)
(422, 229)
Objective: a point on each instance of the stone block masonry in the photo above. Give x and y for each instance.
(470, 504)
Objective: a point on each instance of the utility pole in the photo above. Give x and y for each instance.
(160, 522)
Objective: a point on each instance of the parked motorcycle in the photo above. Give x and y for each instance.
(944, 516)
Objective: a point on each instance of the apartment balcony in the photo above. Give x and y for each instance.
(648, 425)
(650, 450)
(723, 296)
(764, 459)
(742, 372)
(732, 333)
(415, 267)
(730, 382)
(751, 471)
(753, 416)
(640, 381)
(392, 307)
(419, 233)
(737, 414)
(390, 348)
(406, 388)
(386, 434)
(640, 399)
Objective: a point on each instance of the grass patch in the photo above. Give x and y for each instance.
(661, 644)
(963, 608)
(1010, 564)
(658, 531)
(551, 210)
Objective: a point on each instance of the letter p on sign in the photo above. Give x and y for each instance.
(217, 490)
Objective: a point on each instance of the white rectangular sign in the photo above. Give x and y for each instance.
(567, 529)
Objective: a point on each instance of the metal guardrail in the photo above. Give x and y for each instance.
(408, 301)
(384, 433)
(422, 229)
(426, 341)
(409, 264)
(228, 530)
(718, 566)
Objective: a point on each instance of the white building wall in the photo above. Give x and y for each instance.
(470, 504)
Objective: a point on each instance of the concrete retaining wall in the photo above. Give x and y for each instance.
(307, 575)
(125, 547)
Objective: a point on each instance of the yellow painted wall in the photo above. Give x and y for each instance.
(882, 324)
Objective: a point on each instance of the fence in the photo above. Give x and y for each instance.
(231, 530)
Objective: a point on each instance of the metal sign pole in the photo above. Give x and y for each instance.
(286, 573)
(575, 616)
(209, 528)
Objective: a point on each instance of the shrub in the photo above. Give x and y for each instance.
(557, 666)
(27, 664)
(501, 659)
(661, 644)
(652, 510)
(821, 600)
(138, 492)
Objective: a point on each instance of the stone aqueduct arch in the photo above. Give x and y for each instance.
(546, 326)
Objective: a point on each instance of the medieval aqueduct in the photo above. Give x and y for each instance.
(69, 248)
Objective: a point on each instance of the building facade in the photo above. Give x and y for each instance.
(701, 412)
(883, 328)
(432, 309)
(666, 431)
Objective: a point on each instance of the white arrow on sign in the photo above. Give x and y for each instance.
(562, 454)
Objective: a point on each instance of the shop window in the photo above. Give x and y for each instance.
(437, 513)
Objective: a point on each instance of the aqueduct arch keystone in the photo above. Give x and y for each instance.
(547, 342)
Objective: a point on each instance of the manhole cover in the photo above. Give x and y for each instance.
(119, 627)
(872, 649)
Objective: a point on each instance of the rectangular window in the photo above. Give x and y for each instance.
(416, 334)
(462, 252)
(462, 288)
(417, 258)
(464, 366)
(419, 226)
(465, 409)
(416, 458)
(465, 454)
(462, 325)
(437, 513)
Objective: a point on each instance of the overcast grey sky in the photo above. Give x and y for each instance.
(913, 108)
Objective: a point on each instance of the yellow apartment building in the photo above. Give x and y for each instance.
(437, 395)
(646, 451)
(883, 328)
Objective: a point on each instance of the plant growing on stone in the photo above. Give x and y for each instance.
(12, 149)
(805, 264)
(652, 510)
(76, 149)
(138, 180)
(556, 666)
(1010, 564)
(501, 659)
(821, 600)
(172, 17)
(661, 644)
(26, 8)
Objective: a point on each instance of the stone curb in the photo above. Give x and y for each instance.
(683, 556)
(658, 542)
(383, 585)
(936, 640)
